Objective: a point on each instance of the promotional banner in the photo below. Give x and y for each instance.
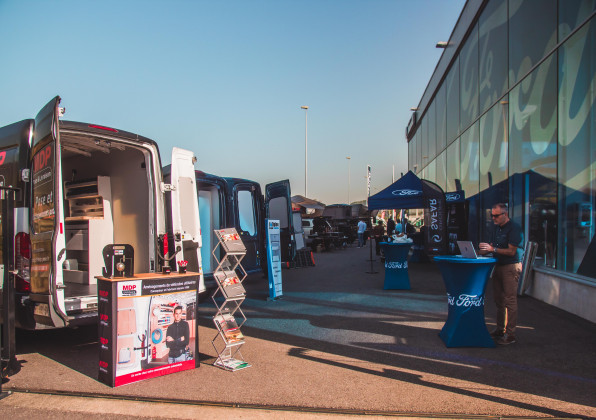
(147, 326)
(435, 218)
(274, 258)
(367, 181)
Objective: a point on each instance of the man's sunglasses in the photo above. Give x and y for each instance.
(494, 216)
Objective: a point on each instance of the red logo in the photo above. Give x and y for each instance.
(129, 287)
(103, 317)
(42, 158)
(103, 364)
(2, 157)
(103, 340)
(103, 293)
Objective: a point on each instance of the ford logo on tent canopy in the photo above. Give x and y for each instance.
(406, 192)
(452, 197)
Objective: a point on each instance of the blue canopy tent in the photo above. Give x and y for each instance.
(411, 192)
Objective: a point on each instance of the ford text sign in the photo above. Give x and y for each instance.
(406, 192)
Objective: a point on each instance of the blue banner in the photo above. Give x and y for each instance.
(274, 258)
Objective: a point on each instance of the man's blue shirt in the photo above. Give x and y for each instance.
(502, 236)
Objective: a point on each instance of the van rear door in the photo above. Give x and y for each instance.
(247, 219)
(213, 204)
(186, 223)
(278, 205)
(47, 219)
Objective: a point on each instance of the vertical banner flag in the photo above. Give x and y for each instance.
(368, 180)
(435, 218)
(274, 258)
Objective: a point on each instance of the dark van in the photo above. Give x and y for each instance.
(81, 187)
(226, 202)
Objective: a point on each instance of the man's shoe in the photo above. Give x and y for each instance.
(509, 339)
(497, 334)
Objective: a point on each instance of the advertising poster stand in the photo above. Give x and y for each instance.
(147, 326)
(227, 298)
(274, 259)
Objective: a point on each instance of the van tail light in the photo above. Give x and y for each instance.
(22, 245)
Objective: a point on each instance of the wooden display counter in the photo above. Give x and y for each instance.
(147, 326)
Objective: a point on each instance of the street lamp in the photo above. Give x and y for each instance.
(305, 108)
(348, 158)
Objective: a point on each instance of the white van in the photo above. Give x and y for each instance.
(84, 186)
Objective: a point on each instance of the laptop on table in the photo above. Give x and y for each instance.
(467, 249)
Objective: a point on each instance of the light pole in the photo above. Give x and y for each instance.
(348, 158)
(305, 108)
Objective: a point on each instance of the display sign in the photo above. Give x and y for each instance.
(274, 258)
(147, 326)
(435, 216)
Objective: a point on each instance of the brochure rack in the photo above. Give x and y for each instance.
(229, 295)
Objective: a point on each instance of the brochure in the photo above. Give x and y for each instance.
(230, 241)
(226, 323)
(232, 364)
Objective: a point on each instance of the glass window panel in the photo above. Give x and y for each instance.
(493, 146)
(577, 146)
(533, 122)
(533, 152)
(418, 151)
(432, 131)
(246, 212)
(431, 172)
(469, 152)
(452, 93)
(278, 206)
(532, 34)
(441, 172)
(411, 154)
(492, 50)
(441, 113)
(453, 167)
(468, 79)
(424, 139)
(572, 13)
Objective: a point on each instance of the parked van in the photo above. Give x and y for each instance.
(82, 187)
(226, 202)
(278, 205)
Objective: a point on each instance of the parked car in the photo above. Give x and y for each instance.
(307, 226)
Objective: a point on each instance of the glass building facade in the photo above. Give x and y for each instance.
(510, 116)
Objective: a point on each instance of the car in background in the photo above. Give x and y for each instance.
(307, 226)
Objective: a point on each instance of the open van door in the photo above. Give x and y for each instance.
(247, 218)
(278, 205)
(185, 211)
(212, 213)
(47, 220)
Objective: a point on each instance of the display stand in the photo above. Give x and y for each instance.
(229, 338)
(396, 265)
(465, 280)
(135, 317)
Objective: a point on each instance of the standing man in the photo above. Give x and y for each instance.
(390, 226)
(361, 229)
(177, 337)
(379, 232)
(505, 242)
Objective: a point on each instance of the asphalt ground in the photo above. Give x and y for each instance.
(336, 344)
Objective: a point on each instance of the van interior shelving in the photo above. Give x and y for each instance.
(107, 196)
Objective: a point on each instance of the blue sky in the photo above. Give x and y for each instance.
(226, 79)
